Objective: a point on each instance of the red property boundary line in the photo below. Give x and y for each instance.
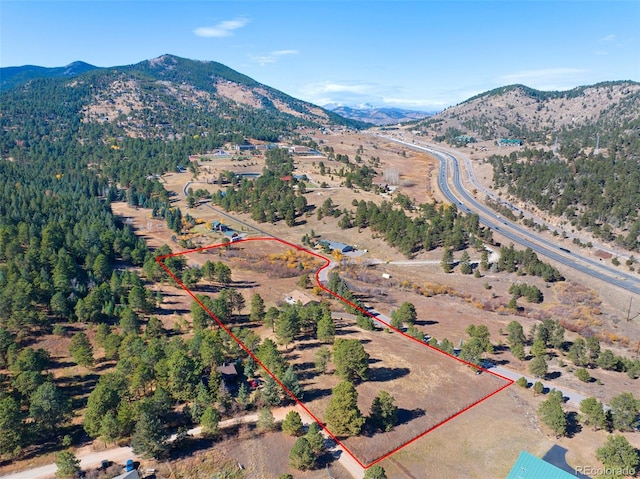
(509, 382)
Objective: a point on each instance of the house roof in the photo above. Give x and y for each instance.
(128, 475)
(528, 466)
(342, 247)
(299, 297)
(227, 369)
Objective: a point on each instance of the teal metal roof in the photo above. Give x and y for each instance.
(529, 466)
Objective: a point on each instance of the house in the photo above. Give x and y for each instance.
(219, 226)
(228, 371)
(528, 466)
(334, 245)
(299, 297)
(244, 147)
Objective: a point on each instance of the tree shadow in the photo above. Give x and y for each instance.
(426, 322)
(308, 345)
(316, 393)
(383, 374)
(189, 446)
(553, 375)
(407, 415)
(573, 425)
(345, 331)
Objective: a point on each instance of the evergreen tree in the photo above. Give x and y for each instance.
(619, 456)
(81, 349)
(266, 421)
(538, 367)
(342, 415)
(350, 359)
(515, 334)
(323, 356)
(292, 424)
(271, 392)
(405, 314)
(326, 329)
(290, 381)
(384, 413)
(11, 427)
(257, 312)
(593, 413)
(375, 472)
(625, 410)
(67, 465)
(149, 438)
(552, 415)
(301, 456)
(465, 263)
(315, 437)
(49, 407)
(447, 260)
(209, 421)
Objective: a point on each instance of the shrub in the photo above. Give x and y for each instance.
(583, 375)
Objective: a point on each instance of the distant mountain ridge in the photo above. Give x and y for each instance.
(379, 116)
(11, 77)
(167, 98)
(581, 114)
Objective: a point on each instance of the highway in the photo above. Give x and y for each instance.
(518, 234)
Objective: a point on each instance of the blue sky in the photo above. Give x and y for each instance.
(414, 54)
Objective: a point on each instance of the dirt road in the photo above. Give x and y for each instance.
(92, 459)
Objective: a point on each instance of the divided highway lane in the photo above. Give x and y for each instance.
(517, 233)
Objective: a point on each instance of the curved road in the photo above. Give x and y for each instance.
(465, 201)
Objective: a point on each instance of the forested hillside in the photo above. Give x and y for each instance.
(69, 147)
(598, 192)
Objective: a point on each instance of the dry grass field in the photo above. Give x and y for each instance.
(484, 441)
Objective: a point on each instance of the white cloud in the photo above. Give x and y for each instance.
(222, 29)
(608, 38)
(545, 78)
(354, 93)
(272, 57)
(416, 103)
(321, 88)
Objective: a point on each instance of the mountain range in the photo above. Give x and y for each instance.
(587, 115)
(170, 97)
(378, 116)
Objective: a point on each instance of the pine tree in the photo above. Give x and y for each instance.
(290, 381)
(301, 456)
(552, 415)
(266, 421)
(67, 464)
(593, 413)
(81, 349)
(375, 472)
(342, 414)
(447, 260)
(257, 312)
(323, 356)
(209, 421)
(149, 438)
(384, 413)
(326, 330)
(618, 454)
(315, 437)
(271, 392)
(292, 424)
